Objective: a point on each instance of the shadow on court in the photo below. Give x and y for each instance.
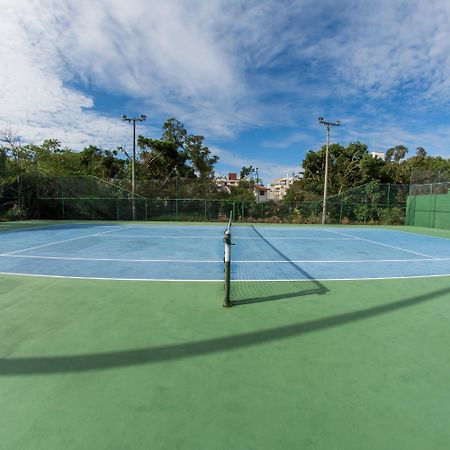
(248, 292)
(99, 361)
(285, 275)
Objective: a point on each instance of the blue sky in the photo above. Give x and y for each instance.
(251, 76)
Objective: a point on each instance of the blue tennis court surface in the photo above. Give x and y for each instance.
(185, 252)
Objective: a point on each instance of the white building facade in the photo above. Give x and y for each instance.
(279, 187)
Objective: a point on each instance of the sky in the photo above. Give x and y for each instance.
(251, 76)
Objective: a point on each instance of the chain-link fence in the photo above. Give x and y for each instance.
(370, 203)
(429, 182)
(90, 198)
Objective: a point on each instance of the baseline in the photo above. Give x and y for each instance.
(60, 242)
(357, 238)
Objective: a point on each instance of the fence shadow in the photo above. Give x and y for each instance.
(107, 360)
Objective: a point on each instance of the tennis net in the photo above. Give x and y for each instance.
(261, 270)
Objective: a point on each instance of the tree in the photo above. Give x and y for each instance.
(101, 163)
(244, 191)
(346, 165)
(344, 168)
(297, 193)
(3, 159)
(389, 154)
(174, 131)
(177, 152)
(200, 156)
(373, 169)
(161, 159)
(246, 172)
(396, 153)
(421, 152)
(11, 148)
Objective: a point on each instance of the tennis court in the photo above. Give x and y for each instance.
(113, 336)
(195, 252)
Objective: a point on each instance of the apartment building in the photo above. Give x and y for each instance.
(279, 187)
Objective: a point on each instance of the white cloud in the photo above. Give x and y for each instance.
(287, 141)
(220, 66)
(34, 102)
(435, 142)
(158, 53)
(388, 45)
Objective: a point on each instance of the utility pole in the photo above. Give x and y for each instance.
(256, 185)
(328, 125)
(133, 120)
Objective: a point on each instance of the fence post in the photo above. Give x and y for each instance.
(434, 211)
(93, 194)
(62, 198)
(389, 196)
(37, 198)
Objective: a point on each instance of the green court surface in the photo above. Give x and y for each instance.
(96, 364)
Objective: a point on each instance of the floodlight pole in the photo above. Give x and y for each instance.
(257, 184)
(133, 120)
(328, 125)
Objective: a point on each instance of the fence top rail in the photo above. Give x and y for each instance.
(361, 186)
(148, 199)
(116, 187)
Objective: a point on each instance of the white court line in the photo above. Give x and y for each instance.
(108, 279)
(345, 261)
(167, 236)
(207, 261)
(414, 233)
(69, 258)
(60, 242)
(221, 280)
(50, 226)
(235, 238)
(384, 245)
(347, 279)
(221, 226)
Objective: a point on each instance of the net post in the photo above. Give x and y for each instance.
(227, 262)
